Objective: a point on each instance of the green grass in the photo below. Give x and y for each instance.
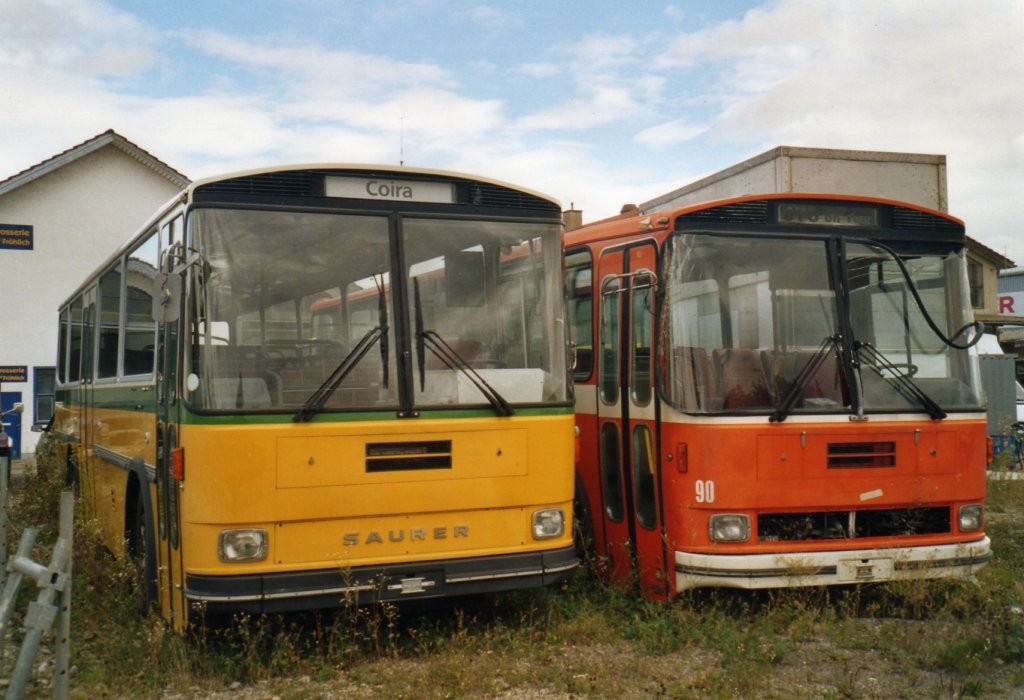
(583, 639)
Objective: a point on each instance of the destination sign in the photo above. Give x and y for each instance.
(822, 214)
(387, 189)
(15, 237)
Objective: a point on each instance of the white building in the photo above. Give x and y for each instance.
(59, 220)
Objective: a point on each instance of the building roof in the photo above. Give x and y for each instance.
(107, 138)
(1001, 261)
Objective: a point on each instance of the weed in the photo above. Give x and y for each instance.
(950, 638)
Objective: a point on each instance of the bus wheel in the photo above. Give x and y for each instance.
(138, 549)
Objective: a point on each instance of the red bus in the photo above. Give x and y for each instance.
(777, 390)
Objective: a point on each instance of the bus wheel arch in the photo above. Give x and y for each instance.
(139, 534)
(583, 524)
(72, 475)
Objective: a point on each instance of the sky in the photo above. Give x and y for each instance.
(595, 102)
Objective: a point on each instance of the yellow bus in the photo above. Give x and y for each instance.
(300, 387)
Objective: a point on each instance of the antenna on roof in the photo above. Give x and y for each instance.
(401, 141)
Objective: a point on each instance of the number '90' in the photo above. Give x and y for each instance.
(705, 491)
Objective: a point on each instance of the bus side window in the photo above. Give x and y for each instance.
(75, 342)
(62, 347)
(109, 322)
(139, 327)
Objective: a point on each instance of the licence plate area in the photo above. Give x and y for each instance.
(860, 570)
(420, 584)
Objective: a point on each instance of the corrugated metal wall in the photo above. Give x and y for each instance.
(999, 379)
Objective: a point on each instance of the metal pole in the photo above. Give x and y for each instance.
(3, 526)
(13, 583)
(63, 629)
(42, 613)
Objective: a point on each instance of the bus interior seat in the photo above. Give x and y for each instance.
(239, 392)
(744, 381)
(697, 379)
(826, 383)
(468, 349)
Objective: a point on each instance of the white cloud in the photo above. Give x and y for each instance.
(669, 133)
(538, 70)
(938, 77)
(86, 37)
(632, 103)
(494, 20)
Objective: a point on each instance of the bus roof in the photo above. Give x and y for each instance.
(661, 220)
(396, 170)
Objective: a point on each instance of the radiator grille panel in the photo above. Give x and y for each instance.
(861, 455)
(834, 525)
(408, 456)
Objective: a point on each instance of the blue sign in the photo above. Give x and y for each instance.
(15, 237)
(13, 373)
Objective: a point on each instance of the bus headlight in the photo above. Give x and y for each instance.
(729, 527)
(548, 523)
(242, 545)
(970, 518)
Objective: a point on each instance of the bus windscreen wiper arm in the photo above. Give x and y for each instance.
(806, 374)
(452, 360)
(315, 403)
(904, 384)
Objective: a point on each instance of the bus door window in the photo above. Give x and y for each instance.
(642, 317)
(610, 340)
(579, 275)
(643, 477)
(611, 480)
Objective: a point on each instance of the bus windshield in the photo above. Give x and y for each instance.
(751, 324)
(295, 311)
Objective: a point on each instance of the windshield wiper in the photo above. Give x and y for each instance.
(807, 373)
(315, 403)
(885, 369)
(426, 338)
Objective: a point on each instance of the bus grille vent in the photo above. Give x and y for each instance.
(914, 220)
(861, 455)
(832, 525)
(286, 184)
(755, 212)
(487, 195)
(408, 456)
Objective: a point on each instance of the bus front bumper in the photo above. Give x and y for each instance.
(333, 588)
(830, 567)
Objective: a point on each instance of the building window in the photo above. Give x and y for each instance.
(976, 280)
(43, 398)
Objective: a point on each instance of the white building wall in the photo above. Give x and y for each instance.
(80, 214)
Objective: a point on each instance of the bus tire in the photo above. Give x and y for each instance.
(71, 473)
(140, 550)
